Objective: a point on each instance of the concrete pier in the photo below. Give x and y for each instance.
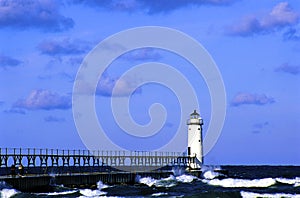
(42, 183)
(41, 169)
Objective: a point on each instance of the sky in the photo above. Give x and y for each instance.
(255, 44)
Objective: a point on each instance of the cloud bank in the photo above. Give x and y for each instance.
(282, 15)
(45, 100)
(248, 98)
(152, 6)
(38, 14)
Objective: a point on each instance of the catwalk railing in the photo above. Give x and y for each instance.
(32, 157)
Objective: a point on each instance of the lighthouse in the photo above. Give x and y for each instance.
(195, 139)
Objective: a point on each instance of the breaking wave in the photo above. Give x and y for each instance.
(159, 194)
(91, 193)
(210, 174)
(6, 193)
(94, 193)
(295, 182)
(59, 193)
(269, 195)
(167, 182)
(244, 183)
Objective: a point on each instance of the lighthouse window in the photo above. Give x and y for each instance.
(198, 128)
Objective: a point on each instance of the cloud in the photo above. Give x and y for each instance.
(150, 7)
(38, 14)
(45, 100)
(248, 98)
(54, 119)
(124, 87)
(6, 61)
(144, 54)
(63, 47)
(287, 68)
(282, 15)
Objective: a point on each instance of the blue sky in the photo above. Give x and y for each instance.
(256, 45)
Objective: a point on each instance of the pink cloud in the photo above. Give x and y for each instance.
(282, 15)
(44, 99)
(248, 98)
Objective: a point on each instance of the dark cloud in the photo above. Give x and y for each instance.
(39, 14)
(248, 98)
(6, 61)
(54, 119)
(292, 34)
(282, 15)
(45, 100)
(287, 68)
(63, 47)
(124, 87)
(152, 6)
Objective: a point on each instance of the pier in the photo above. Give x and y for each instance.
(41, 168)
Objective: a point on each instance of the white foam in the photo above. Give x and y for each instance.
(288, 181)
(267, 195)
(159, 194)
(6, 193)
(233, 183)
(100, 185)
(91, 193)
(210, 174)
(178, 171)
(166, 182)
(186, 178)
(58, 193)
(148, 181)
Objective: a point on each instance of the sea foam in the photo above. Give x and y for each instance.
(7, 193)
(167, 182)
(91, 193)
(289, 181)
(268, 195)
(210, 174)
(236, 183)
(58, 193)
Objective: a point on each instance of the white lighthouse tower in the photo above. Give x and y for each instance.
(195, 139)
